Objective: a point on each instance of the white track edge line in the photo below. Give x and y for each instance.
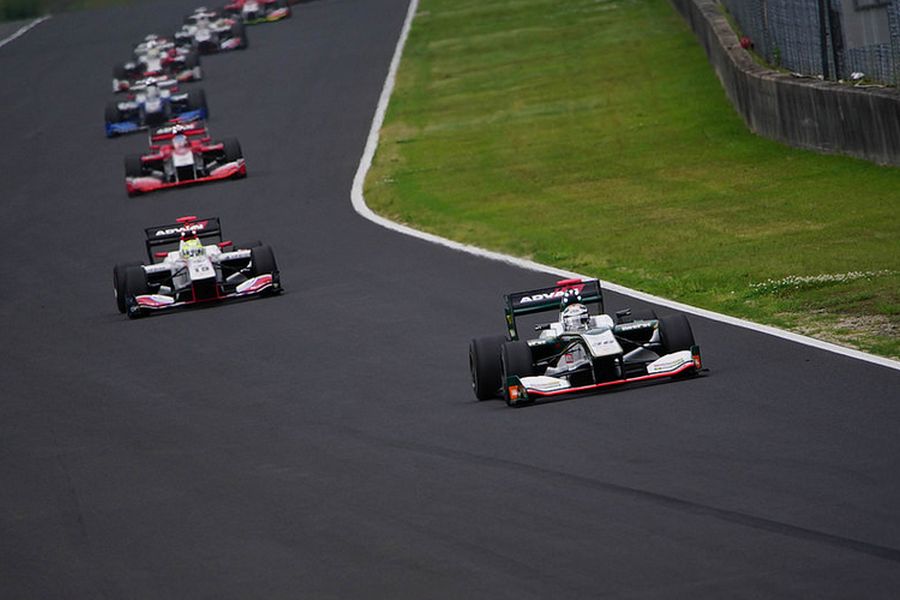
(23, 30)
(359, 205)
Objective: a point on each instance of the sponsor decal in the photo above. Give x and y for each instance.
(556, 294)
(632, 326)
(186, 228)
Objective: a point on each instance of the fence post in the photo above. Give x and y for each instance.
(823, 37)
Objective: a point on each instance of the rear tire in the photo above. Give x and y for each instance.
(484, 365)
(515, 360)
(675, 333)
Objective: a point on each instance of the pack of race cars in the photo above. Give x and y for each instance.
(182, 269)
(190, 263)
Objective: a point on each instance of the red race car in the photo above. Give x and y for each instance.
(258, 11)
(182, 153)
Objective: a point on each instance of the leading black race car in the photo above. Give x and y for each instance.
(580, 352)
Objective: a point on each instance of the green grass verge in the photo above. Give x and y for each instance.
(13, 10)
(593, 135)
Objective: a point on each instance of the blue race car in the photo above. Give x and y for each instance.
(153, 102)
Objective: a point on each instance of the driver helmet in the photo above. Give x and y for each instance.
(179, 141)
(152, 92)
(575, 317)
(191, 248)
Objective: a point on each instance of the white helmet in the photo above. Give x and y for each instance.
(575, 317)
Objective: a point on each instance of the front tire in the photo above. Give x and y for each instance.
(675, 333)
(484, 365)
(134, 166)
(197, 101)
(262, 261)
(112, 113)
(119, 272)
(515, 360)
(238, 30)
(136, 284)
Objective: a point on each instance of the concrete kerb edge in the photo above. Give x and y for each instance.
(23, 30)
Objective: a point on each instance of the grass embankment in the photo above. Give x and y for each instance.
(593, 135)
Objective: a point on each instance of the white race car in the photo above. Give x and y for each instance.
(208, 32)
(158, 58)
(193, 273)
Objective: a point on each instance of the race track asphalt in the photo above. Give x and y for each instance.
(326, 443)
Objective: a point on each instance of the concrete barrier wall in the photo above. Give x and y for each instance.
(806, 113)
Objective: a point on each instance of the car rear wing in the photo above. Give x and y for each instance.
(164, 235)
(190, 129)
(548, 299)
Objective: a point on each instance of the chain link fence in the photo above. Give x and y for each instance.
(832, 38)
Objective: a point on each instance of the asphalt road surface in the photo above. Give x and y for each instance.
(326, 443)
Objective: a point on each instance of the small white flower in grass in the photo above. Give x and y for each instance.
(806, 281)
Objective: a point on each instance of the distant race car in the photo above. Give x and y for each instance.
(183, 154)
(153, 103)
(182, 271)
(258, 11)
(208, 32)
(580, 352)
(159, 58)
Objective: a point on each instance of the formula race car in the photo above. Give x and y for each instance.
(160, 58)
(207, 32)
(183, 271)
(580, 352)
(183, 154)
(153, 103)
(258, 11)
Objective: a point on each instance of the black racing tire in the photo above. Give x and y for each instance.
(134, 166)
(675, 333)
(112, 113)
(262, 261)
(517, 360)
(136, 284)
(238, 30)
(231, 150)
(191, 59)
(197, 100)
(119, 272)
(484, 365)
